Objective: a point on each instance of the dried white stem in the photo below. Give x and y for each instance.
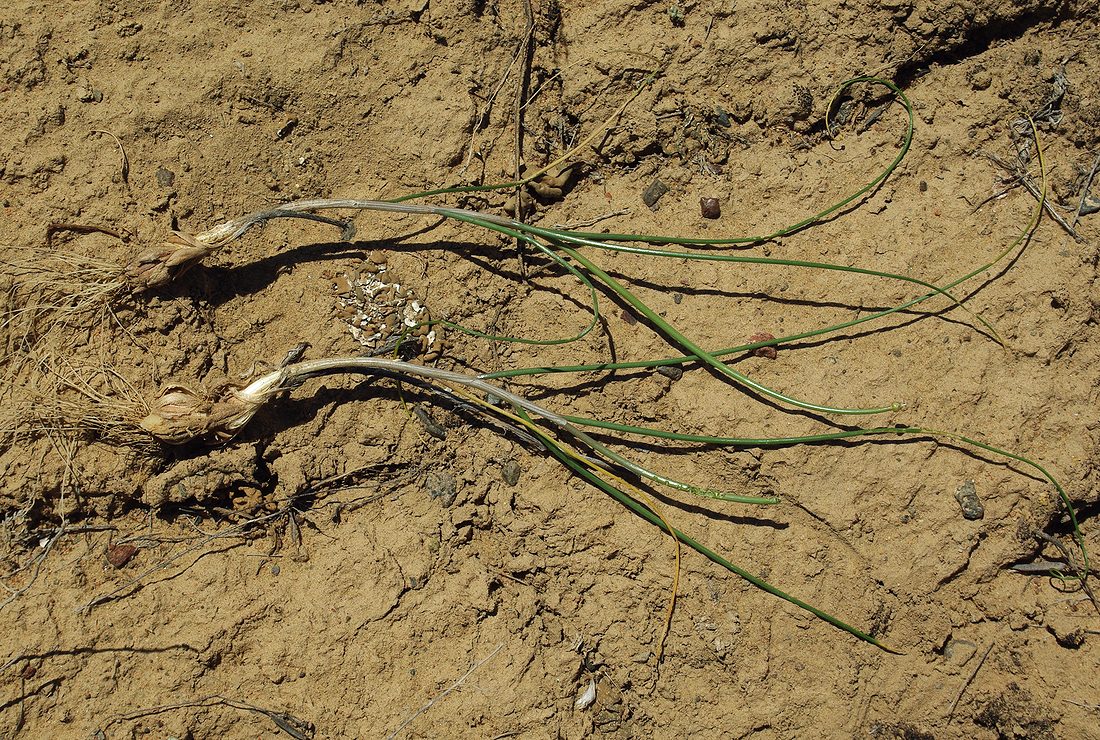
(230, 230)
(159, 265)
(181, 415)
(262, 389)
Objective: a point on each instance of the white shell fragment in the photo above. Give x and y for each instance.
(585, 700)
(378, 309)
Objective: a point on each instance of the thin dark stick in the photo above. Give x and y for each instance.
(969, 680)
(296, 728)
(1025, 179)
(1085, 190)
(593, 221)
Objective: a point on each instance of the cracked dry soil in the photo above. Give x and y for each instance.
(346, 560)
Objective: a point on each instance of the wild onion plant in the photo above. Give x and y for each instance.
(181, 414)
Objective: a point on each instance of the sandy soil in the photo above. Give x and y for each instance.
(351, 566)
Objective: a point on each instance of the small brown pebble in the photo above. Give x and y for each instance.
(768, 352)
(378, 258)
(671, 371)
(120, 555)
(710, 207)
(28, 672)
(922, 186)
(628, 317)
(341, 285)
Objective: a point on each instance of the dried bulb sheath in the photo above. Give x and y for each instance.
(161, 265)
(181, 415)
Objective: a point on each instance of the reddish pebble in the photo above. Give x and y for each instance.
(120, 555)
(28, 672)
(768, 352)
(710, 207)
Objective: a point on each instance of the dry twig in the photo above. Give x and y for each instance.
(443, 694)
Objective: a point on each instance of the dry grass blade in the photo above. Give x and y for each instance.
(443, 694)
(124, 168)
(1085, 191)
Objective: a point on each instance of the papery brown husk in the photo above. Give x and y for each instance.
(161, 265)
(181, 415)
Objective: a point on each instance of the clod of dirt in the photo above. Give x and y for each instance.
(768, 352)
(120, 555)
(802, 103)
(979, 78)
(971, 505)
(1015, 714)
(1066, 634)
(510, 472)
(203, 478)
(88, 94)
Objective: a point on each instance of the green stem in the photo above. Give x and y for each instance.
(644, 512)
(703, 356)
(1078, 536)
